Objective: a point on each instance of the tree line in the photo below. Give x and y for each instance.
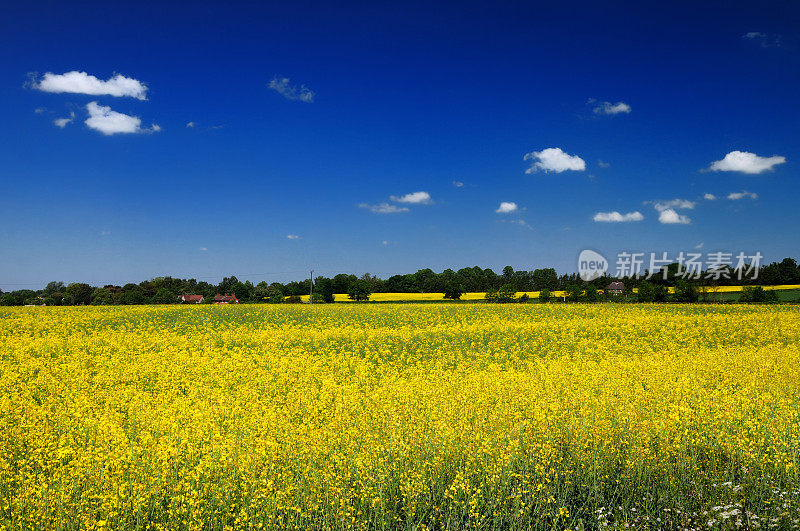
(498, 286)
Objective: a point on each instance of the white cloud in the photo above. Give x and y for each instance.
(699, 245)
(416, 198)
(608, 108)
(506, 207)
(709, 197)
(204, 248)
(661, 206)
(383, 208)
(554, 159)
(458, 184)
(384, 242)
(616, 217)
(284, 87)
(766, 40)
(62, 122)
(110, 122)
(40, 110)
(293, 236)
(82, 83)
(735, 196)
(669, 216)
(603, 164)
(190, 124)
(745, 162)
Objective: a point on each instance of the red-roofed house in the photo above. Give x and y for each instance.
(192, 299)
(225, 299)
(616, 288)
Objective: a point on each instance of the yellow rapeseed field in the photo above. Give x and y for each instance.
(415, 416)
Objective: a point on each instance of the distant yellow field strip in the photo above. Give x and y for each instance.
(474, 296)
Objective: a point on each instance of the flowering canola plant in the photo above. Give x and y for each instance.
(428, 416)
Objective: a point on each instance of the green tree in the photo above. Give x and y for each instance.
(53, 287)
(545, 295)
(590, 294)
(324, 286)
(507, 293)
(453, 291)
(574, 292)
(102, 296)
(165, 297)
(79, 293)
(685, 291)
(359, 290)
(131, 294)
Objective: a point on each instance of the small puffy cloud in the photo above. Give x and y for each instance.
(82, 83)
(670, 217)
(416, 198)
(616, 217)
(190, 124)
(709, 197)
(384, 242)
(293, 236)
(383, 208)
(108, 122)
(458, 184)
(735, 196)
(744, 162)
(610, 109)
(554, 159)
(62, 122)
(603, 164)
(507, 207)
(204, 248)
(673, 204)
(40, 110)
(284, 87)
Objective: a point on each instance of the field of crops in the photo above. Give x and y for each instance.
(788, 292)
(414, 416)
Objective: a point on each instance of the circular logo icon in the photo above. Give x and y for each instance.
(591, 265)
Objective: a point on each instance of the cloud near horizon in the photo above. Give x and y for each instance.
(616, 217)
(555, 160)
(291, 92)
(108, 122)
(745, 162)
(75, 82)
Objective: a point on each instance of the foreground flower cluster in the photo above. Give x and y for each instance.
(400, 416)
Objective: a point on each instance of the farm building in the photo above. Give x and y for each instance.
(616, 288)
(192, 299)
(225, 299)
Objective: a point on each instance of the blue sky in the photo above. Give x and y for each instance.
(622, 107)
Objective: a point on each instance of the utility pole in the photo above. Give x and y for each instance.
(311, 291)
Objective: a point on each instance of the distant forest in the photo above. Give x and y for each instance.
(168, 290)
